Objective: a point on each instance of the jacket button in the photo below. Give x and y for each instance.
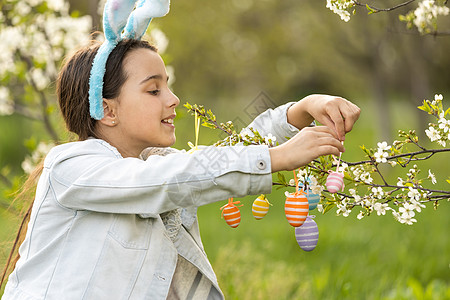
(261, 164)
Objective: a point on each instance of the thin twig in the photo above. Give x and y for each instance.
(5, 180)
(410, 154)
(43, 98)
(376, 10)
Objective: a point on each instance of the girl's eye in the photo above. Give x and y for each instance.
(154, 92)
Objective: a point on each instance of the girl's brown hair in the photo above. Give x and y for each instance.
(72, 90)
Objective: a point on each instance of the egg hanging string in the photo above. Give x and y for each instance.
(335, 180)
(231, 202)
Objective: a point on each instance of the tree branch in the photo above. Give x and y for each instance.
(5, 180)
(43, 99)
(411, 155)
(377, 10)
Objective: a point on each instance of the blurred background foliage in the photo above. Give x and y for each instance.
(228, 54)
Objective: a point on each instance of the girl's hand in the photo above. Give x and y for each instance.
(336, 113)
(308, 144)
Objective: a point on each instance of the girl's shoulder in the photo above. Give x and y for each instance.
(90, 146)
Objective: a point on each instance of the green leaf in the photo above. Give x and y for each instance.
(425, 107)
(281, 178)
(328, 207)
(447, 111)
(209, 125)
(371, 10)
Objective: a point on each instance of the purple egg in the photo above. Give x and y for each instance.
(307, 235)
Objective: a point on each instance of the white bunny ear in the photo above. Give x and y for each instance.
(140, 18)
(115, 16)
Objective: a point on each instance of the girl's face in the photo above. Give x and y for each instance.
(146, 105)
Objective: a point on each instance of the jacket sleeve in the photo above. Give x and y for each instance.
(92, 178)
(274, 121)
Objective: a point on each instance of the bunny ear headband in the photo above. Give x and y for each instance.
(122, 19)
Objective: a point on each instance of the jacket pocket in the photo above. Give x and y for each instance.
(121, 259)
(131, 231)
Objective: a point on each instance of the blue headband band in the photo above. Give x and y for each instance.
(122, 19)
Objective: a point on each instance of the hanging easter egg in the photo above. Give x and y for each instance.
(260, 207)
(307, 235)
(335, 182)
(232, 215)
(313, 199)
(296, 208)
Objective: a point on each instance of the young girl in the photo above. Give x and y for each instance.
(110, 223)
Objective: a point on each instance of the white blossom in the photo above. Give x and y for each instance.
(316, 189)
(432, 134)
(355, 195)
(22, 8)
(400, 182)
(160, 39)
(432, 177)
(442, 143)
(171, 73)
(340, 7)
(31, 161)
(39, 78)
(380, 208)
(392, 163)
(407, 218)
(270, 139)
(342, 209)
(414, 194)
(426, 14)
(342, 168)
(381, 156)
(417, 205)
(6, 103)
(360, 215)
(438, 97)
(383, 146)
(319, 207)
(378, 192)
(444, 124)
(302, 174)
(407, 209)
(58, 5)
(366, 178)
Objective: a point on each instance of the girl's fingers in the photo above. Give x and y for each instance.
(351, 115)
(325, 130)
(331, 142)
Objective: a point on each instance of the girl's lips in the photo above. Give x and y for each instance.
(169, 121)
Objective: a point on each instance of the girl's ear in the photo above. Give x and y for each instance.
(109, 113)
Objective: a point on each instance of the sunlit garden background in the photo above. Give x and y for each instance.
(232, 56)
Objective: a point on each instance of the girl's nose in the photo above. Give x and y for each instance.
(173, 100)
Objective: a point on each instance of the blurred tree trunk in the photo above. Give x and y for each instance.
(88, 8)
(419, 76)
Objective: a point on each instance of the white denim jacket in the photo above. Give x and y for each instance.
(96, 232)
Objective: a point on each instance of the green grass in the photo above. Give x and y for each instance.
(373, 258)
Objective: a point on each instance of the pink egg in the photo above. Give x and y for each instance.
(335, 182)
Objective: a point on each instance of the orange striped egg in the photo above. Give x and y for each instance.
(260, 207)
(335, 182)
(296, 208)
(232, 215)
